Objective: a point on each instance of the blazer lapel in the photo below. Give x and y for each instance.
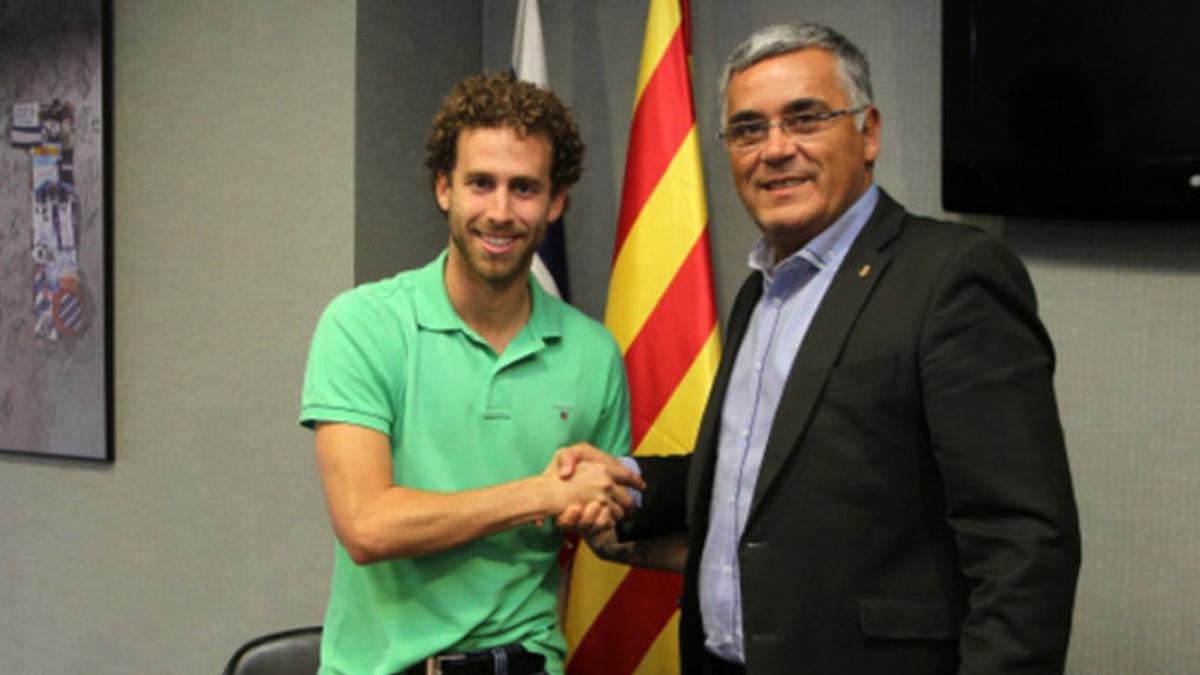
(864, 264)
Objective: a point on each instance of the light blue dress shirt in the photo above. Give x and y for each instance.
(792, 292)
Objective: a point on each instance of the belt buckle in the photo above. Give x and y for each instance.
(433, 664)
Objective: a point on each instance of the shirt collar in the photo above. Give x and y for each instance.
(545, 320)
(827, 248)
(435, 312)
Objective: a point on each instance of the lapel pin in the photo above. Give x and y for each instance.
(864, 271)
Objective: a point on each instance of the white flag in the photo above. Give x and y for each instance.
(529, 64)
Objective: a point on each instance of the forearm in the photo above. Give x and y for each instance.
(667, 553)
(405, 523)
(375, 519)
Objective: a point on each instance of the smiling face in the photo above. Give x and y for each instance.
(498, 202)
(796, 186)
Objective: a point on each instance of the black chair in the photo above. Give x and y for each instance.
(291, 652)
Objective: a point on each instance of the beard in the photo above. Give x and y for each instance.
(498, 271)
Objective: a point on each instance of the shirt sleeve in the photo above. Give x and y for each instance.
(353, 373)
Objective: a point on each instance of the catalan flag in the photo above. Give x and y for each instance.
(661, 310)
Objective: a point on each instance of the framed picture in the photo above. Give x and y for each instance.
(56, 392)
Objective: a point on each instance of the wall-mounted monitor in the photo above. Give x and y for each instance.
(1072, 108)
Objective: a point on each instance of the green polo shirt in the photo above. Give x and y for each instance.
(394, 356)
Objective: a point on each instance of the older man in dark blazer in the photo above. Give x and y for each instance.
(880, 483)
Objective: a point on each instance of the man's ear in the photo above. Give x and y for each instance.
(872, 127)
(441, 192)
(558, 204)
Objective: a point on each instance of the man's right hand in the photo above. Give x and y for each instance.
(595, 516)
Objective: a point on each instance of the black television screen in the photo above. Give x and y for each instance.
(1071, 108)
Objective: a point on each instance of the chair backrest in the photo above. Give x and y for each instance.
(291, 652)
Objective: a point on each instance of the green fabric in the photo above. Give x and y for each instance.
(394, 356)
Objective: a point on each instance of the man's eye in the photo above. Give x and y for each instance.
(747, 130)
(802, 121)
(479, 182)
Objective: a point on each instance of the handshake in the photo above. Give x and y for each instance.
(588, 489)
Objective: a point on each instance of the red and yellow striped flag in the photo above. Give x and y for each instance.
(662, 311)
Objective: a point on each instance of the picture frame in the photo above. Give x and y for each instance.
(56, 326)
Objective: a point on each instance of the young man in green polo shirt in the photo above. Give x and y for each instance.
(440, 397)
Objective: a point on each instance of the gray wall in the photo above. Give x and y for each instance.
(408, 53)
(244, 183)
(234, 132)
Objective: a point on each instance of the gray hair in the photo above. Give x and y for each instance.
(784, 38)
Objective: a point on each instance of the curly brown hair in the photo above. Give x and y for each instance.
(500, 100)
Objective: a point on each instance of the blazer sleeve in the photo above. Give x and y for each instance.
(663, 509)
(986, 366)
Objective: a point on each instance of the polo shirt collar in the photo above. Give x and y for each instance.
(435, 312)
(545, 320)
(433, 308)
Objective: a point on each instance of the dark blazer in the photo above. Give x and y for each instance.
(914, 510)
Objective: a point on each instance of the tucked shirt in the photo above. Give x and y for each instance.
(395, 357)
(792, 292)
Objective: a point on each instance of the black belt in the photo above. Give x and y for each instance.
(506, 660)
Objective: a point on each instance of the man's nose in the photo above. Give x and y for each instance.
(499, 207)
(779, 144)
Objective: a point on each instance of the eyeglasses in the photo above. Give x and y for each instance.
(750, 135)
